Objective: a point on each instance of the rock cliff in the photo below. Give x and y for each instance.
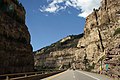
(15, 48)
(98, 50)
(58, 55)
(102, 37)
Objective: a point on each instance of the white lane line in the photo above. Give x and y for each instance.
(74, 76)
(89, 75)
(54, 76)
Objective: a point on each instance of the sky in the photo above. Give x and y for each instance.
(51, 20)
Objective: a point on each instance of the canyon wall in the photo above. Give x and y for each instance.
(59, 55)
(15, 48)
(102, 36)
(98, 48)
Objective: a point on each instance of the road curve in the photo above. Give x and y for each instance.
(77, 75)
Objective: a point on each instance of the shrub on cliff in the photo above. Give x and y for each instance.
(117, 31)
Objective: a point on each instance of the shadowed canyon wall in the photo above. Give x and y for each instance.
(15, 48)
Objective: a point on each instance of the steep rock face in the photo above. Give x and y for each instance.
(101, 26)
(15, 49)
(58, 55)
(97, 48)
(113, 59)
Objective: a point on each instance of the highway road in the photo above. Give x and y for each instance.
(77, 75)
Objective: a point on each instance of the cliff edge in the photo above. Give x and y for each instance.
(101, 41)
(98, 50)
(15, 48)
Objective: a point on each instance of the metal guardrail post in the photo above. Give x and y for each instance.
(25, 75)
(7, 77)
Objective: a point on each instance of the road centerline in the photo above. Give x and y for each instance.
(73, 75)
(54, 76)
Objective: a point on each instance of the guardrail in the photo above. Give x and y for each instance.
(29, 75)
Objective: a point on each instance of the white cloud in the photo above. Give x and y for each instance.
(85, 6)
(52, 9)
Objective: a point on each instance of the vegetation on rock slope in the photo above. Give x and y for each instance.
(59, 45)
(117, 31)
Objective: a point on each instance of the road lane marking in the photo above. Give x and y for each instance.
(88, 75)
(74, 76)
(54, 76)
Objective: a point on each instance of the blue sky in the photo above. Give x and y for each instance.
(51, 20)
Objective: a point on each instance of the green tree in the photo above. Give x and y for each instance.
(117, 31)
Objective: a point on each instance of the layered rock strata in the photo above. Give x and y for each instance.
(59, 55)
(15, 48)
(98, 47)
(102, 31)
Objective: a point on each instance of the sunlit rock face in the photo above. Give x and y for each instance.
(102, 31)
(101, 37)
(59, 55)
(15, 48)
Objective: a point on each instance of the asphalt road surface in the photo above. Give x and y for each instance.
(77, 75)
